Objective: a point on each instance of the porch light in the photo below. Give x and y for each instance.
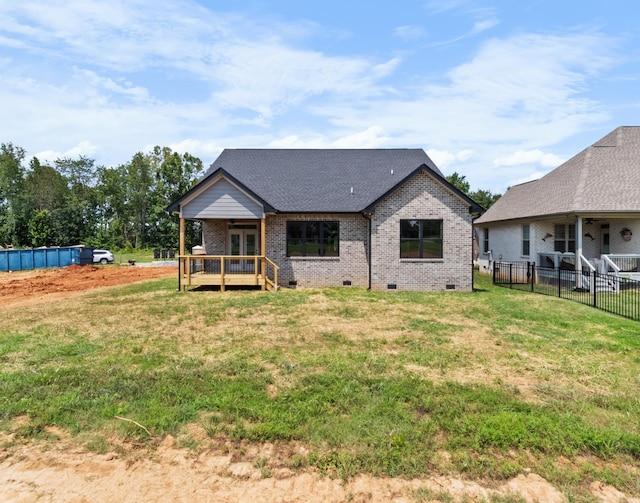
(547, 236)
(626, 234)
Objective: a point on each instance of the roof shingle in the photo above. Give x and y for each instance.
(320, 180)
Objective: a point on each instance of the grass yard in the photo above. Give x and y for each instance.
(484, 385)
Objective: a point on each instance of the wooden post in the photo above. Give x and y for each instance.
(222, 274)
(182, 254)
(263, 250)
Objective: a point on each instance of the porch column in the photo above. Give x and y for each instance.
(182, 238)
(579, 244)
(181, 254)
(579, 252)
(263, 250)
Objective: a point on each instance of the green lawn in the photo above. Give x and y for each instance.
(482, 385)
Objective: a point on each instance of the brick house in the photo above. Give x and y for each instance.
(372, 218)
(580, 216)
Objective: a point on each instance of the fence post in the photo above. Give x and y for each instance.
(533, 274)
(494, 273)
(511, 275)
(595, 289)
(559, 280)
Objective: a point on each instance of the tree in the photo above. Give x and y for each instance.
(13, 227)
(44, 187)
(79, 213)
(41, 231)
(484, 198)
(174, 175)
(114, 227)
(139, 184)
(459, 182)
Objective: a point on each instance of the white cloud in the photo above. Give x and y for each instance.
(372, 137)
(444, 159)
(534, 175)
(265, 82)
(205, 150)
(84, 148)
(535, 156)
(409, 32)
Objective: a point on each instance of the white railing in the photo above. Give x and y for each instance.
(623, 265)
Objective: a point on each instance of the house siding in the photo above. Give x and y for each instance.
(422, 197)
(222, 200)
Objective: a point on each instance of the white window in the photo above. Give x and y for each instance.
(565, 238)
(526, 241)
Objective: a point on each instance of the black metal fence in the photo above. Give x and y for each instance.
(607, 292)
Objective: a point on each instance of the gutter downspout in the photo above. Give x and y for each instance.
(369, 248)
(473, 234)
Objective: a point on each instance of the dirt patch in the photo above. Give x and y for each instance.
(42, 285)
(63, 472)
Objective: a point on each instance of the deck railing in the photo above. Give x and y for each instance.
(228, 270)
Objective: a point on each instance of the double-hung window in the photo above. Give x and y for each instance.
(485, 240)
(420, 238)
(313, 239)
(565, 238)
(526, 240)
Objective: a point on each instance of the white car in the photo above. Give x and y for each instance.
(103, 257)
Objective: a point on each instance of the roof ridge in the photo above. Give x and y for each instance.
(583, 176)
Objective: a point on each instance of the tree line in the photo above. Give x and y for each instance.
(75, 201)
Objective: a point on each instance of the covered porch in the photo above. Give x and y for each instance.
(233, 248)
(599, 246)
(238, 258)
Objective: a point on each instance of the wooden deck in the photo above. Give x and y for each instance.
(228, 270)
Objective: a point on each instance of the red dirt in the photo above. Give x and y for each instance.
(27, 287)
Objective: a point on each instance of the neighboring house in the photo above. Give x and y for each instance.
(584, 215)
(375, 218)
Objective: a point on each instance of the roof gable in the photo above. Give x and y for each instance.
(221, 199)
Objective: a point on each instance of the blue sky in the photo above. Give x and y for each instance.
(501, 91)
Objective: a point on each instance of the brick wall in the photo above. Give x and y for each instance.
(214, 237)
(351, 265)
(422, 198)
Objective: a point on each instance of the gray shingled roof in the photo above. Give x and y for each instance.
(603, 178)
(320, 180)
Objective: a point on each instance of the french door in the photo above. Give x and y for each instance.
(242, 241)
